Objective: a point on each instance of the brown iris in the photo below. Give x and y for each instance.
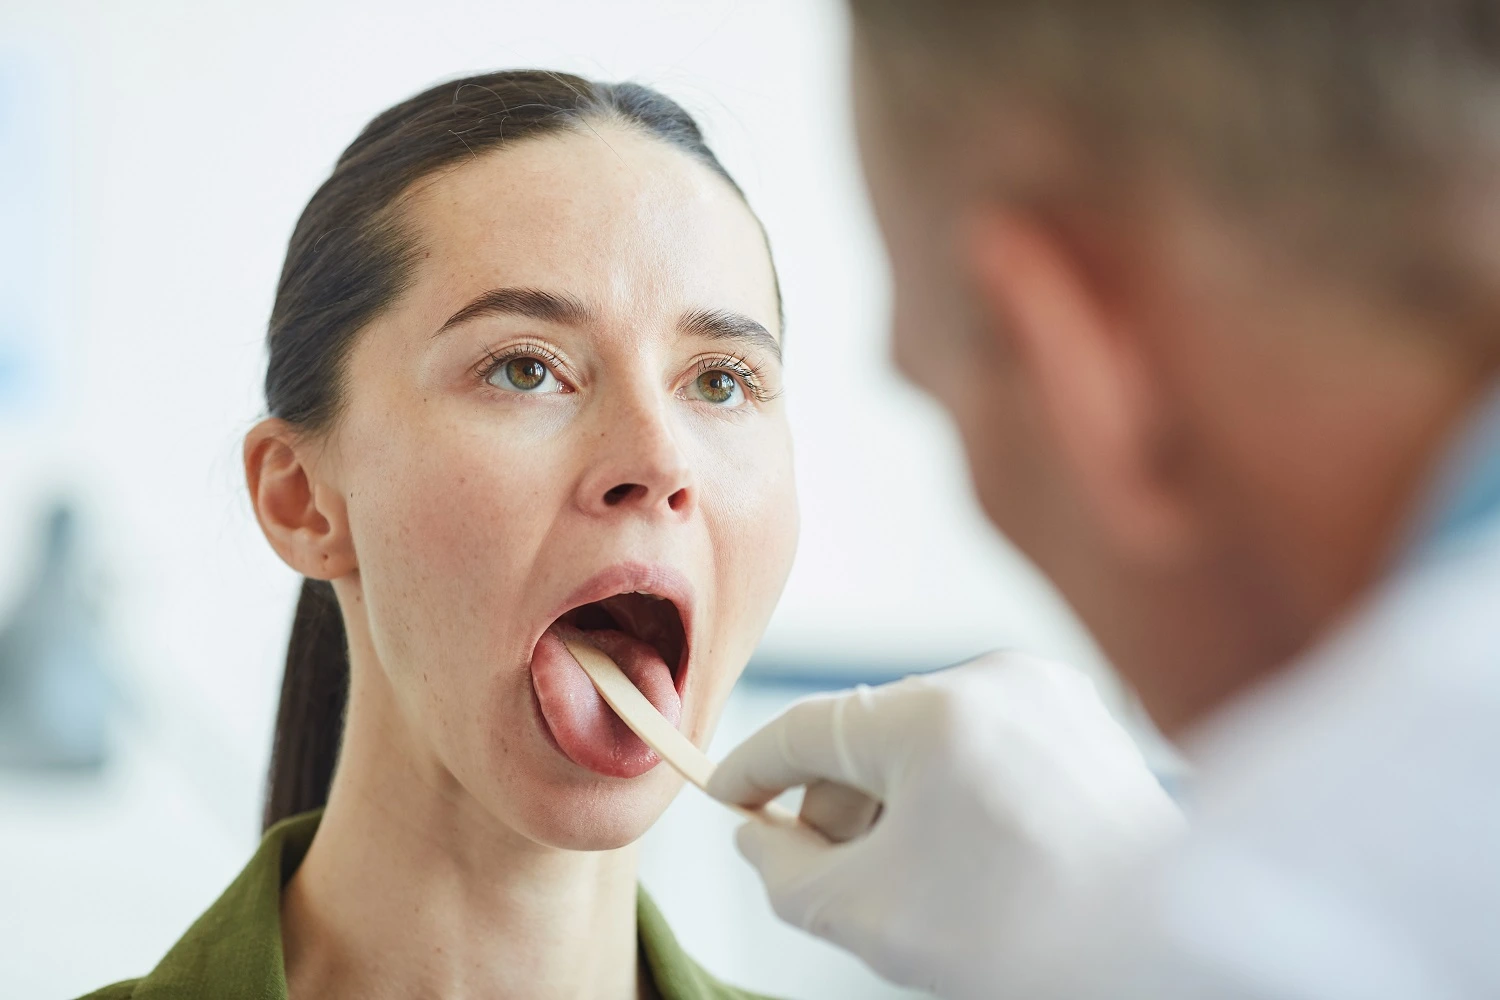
(525, 373)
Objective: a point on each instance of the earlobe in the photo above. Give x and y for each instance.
(305, 522)
(1088, 374)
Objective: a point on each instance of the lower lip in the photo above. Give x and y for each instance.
(580, 725)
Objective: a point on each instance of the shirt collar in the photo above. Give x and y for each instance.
(233, 951)
(1466, 491)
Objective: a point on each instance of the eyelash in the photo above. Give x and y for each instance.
(494, 361)
(749, 376)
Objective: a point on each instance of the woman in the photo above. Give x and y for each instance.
(523, 379)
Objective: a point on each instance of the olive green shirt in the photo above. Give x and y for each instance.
(233, 952)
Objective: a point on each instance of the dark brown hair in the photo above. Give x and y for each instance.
(348, 259)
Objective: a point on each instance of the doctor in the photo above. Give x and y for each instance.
(1212, 293)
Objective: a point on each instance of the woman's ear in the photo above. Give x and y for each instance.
(1090, 374)
(305, 521)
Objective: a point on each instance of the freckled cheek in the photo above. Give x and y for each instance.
(447, 527)
(751, 508)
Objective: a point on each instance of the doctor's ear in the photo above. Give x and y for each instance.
(305, 521)
(1089, 375)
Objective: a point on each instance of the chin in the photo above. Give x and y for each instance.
(601, 815)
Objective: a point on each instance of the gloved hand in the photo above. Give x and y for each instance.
(1004, 785)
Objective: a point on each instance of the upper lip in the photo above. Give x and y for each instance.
(650, 578)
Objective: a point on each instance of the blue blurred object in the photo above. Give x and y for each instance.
(30, 202)
(810, 675)
(54, 685)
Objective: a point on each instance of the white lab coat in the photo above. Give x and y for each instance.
(1345, 816)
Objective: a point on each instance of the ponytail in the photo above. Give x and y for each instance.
(310, 720)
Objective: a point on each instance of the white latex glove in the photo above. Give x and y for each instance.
(1005, 789)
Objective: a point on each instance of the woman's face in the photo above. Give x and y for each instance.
(568, 422)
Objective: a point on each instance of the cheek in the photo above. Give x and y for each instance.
(447, 522)
(751, 503)
(750, 506)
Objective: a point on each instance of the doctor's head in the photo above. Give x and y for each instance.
(1204, 286)
(524, 382)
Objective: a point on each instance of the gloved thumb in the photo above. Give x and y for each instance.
(809, 742)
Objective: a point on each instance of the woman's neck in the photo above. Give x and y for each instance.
(411, 889)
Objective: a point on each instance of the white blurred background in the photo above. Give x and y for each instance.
(153, 158)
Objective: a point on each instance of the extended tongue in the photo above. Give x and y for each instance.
(640, 662)
(676, 749)
(640, 715)
(582, 725)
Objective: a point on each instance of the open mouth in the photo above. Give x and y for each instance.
(645, 617)
(642, 623)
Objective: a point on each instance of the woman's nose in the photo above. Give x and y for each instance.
(638, 468)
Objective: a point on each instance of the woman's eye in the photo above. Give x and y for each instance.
(719, 387)
(524, 374)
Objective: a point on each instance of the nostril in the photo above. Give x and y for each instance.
(678, 500)
(620, 493)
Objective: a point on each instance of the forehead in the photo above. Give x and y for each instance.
(631, 225)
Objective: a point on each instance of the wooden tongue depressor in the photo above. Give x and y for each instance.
(657, 733)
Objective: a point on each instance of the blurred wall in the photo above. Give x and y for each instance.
(169, 147)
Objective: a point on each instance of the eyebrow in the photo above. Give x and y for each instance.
(722, 324)
(530, 302)
(552, 307)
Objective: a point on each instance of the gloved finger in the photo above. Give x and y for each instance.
(818, 887)
(791, 863)
(839, 812)
(806, 743)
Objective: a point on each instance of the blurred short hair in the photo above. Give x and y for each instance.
(1369, 130)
